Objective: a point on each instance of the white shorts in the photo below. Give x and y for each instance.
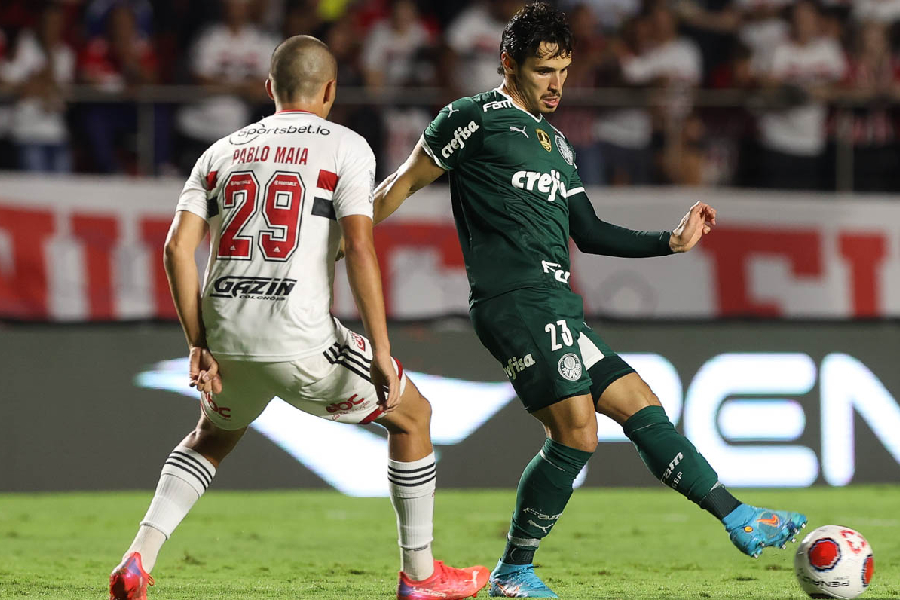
(333, 385)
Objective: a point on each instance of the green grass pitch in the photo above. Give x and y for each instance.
(618, 543)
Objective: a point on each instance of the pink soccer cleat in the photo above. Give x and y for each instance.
(446, 583)
(129, 580)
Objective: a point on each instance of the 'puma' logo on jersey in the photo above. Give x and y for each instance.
(546, 183)
(461, 134)
(522, 130)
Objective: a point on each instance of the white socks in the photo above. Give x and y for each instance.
(412, 494)
(184, 478)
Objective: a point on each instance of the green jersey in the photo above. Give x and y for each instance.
(512, 175)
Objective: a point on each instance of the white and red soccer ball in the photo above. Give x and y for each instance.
(834, 562)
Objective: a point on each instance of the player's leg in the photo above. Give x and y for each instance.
(543, 492)
(533, 334)
(336, 386)
(412, 479)
(674, 460)
(187, 473)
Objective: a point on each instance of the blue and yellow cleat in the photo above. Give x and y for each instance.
(518, 581)
(752, 529)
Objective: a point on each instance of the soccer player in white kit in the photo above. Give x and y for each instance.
(276, 197)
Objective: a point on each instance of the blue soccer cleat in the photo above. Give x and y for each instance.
(518, 581)
(752, 529)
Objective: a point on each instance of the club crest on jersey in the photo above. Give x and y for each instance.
(564, 149)
(544, 139)
(569, 366)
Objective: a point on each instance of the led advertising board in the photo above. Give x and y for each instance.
(769, 405)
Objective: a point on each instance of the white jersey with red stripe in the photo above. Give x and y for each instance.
(273, 193)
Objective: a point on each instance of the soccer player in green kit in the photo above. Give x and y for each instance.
(517, 198)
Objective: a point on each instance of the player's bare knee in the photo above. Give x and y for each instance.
(418, 408)
(581, 439)
(212, 441)
(412, 416)
(581, 435)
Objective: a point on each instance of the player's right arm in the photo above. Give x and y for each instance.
(454, 136)
(188, 229)
(418, 171)
(185, 235)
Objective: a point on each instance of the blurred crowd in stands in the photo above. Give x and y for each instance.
(790, 94)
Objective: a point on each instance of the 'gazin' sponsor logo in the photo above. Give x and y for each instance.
(263, 288)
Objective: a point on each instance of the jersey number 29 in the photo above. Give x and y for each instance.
(282, 200)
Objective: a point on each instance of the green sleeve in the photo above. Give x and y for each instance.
(594, 236)
(455, 134)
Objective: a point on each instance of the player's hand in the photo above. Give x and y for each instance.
(386, 382)
(340, 252)
(204, 371)
(695, 224)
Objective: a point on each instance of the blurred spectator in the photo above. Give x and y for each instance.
(611, 14)
(120, 61)
(41, 65)
(390, 49)
(576, 121)
(873, 84)
(672, 65)
(177, 24)
(712, 24)
(834, 20)
(474, 37)
(884, 11)
(806, 67)
(97, 12)
(762, 26)
(343, 39)
(6, 161)
(301, 18)
(684, 159)
(231, 60)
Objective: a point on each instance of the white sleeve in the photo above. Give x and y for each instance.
(354, 192)
(195, 195)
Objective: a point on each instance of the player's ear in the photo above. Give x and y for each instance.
(330, 92)
(508, 63)
(269, 88)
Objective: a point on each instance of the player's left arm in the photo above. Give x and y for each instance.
(595, 236)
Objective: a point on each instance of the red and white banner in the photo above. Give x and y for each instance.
(74, 249)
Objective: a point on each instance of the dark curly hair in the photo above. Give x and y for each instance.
(533, 24)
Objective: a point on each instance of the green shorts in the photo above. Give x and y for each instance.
(544, 346)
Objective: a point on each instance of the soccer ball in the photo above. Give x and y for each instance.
(834, 562)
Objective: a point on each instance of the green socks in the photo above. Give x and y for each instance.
(674, 460)
(544, 490)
